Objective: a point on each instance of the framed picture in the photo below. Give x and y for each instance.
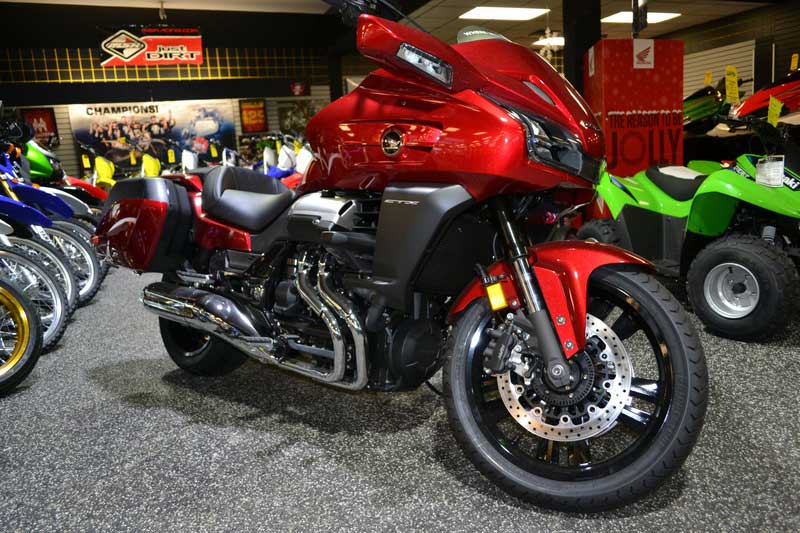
(254, 116)
(43, 120)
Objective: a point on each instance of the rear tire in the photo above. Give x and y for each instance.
(764, 268)
(198, 352)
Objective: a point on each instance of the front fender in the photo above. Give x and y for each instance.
(23, 214)
(78, 206)
(562, 269)
(42, 199)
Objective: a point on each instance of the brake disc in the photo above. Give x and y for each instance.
(596, 414)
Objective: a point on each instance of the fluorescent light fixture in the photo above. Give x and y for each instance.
(550, 41)
(503, 13)
(626, 17)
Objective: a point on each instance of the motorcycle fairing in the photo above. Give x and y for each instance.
(563, 269)
(43, 199)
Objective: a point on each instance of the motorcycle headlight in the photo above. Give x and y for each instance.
(551, 145)
(427, 64)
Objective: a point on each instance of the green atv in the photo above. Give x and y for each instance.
(734, 239)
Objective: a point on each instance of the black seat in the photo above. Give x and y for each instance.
(244, 197)
(680, 183)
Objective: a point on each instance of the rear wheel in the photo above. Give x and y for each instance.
(20, 337)
(743, 287)
(198, 352)
(629, 423)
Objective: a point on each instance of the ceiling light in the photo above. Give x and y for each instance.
(550, 41)
(626, 17)
(503, 13)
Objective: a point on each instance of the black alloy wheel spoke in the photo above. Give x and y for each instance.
(645, 389)
(600, 308)
(625, 326)
(579, 453)
(547, 451)
(634, 418)
(494, 411)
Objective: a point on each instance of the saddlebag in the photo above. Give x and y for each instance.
(146, 225)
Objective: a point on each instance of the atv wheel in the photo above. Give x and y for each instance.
(742, 287)
(605, 230)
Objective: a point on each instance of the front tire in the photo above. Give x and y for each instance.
(743, 287)
(20, 337)
(575, 475)
(198, 352)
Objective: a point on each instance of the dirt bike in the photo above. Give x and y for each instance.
(402, 251)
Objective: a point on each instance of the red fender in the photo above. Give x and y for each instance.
(95, 191)
(562, 269)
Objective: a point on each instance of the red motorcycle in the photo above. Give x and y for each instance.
(572, 378)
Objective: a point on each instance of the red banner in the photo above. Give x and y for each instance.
(254, 115)
(153, 45)
(43, 120)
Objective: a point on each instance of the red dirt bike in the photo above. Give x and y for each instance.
(572, 378)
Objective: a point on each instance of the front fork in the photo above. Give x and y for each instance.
(540, 324)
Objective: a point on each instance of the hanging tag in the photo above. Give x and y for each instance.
(707, 78)
(86, 162)
(769, 171)
(774, 110)
(122, 140)
(133, 157)
(731, 85)
(214, 152)
(170, 156)
(795, 58)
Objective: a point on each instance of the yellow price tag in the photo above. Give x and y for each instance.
(707, 79)
(774, 110)
(497, 298)
(133, 157)
(795, 58)
(170, 156)
(122, 140)
(214, 152)
(731, 85)
(86, 162)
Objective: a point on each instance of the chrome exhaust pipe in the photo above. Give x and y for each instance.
(345, 309)
(222, 317)
(209, 312)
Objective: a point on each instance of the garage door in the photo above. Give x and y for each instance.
(696, 65)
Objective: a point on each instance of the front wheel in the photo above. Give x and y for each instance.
(630, 419)
(20, 337)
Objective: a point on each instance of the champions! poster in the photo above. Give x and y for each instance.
(122, 132)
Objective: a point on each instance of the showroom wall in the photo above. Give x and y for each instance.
(774, 28)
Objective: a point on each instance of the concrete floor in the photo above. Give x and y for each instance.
(107, 434)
